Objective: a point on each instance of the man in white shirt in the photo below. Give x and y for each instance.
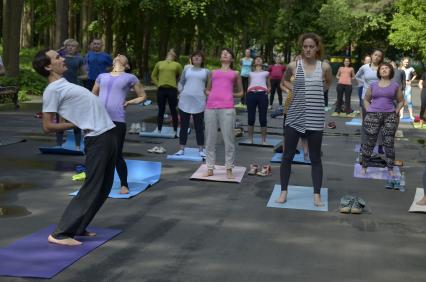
(80, 108)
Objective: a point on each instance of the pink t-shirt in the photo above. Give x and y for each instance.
(222, 92)
(345, 75)
(276, 71)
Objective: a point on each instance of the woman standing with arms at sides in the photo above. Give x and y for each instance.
(344, 75)
(112, 89)
(382, 116)
(192, 101)
(246, 64)
(220, 112)
(410, 76)
(422, 87)
(367, 74)
(306, 114)
(276, 74)
(165, 75)
(367, 60)
(257, 97)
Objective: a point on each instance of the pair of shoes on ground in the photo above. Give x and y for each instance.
(393, 184)
(351, 204)
(331, 125)
(182, 152)
(255, 170)
(135, 128)
(157, 150)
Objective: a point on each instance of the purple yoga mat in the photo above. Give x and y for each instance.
(376, 172)
(33, 256)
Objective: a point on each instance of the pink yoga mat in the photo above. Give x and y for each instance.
(219, 174)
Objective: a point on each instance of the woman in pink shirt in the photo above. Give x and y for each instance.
(345, 75)
(220, 112)
(276, 73)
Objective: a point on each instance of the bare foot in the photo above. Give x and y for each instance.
(208, 173)
(282, 198)
(422, 202)
(77, 148)
(229, 174)
(391, 172)
(306, 157)
(250, 141)
(264, 142)
(363, 171)
(317, 200)
(124, 190)
(64, 242)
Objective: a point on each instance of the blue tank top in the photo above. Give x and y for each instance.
(246, 67)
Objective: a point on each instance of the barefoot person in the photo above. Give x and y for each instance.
(345, 75)
(112, 89)
(166, 75)
(246, 64)
(276, 73)
(306, 114)
(192, 101)
(422, 86)
(381, 115)
(257, 97)
(220, 112)
(84, 110)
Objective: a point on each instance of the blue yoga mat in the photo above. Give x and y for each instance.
(166, 132)
(354, 122)
(140, 175)
(33, 256)
(191, 154)
(299, 198)
(406, 120)
(68, 148)
(376, 172)
(297, 159)
(257, 141)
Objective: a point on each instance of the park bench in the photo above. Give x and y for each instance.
(10, 92)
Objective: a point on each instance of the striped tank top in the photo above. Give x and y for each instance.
(306, 112)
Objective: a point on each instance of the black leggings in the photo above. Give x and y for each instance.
(244, 80)
(423, 103)
(326, 98)
(275, 86)
(167, 94)
(291, 139)
(257, 100)
(184, 125)
(347, 89)
(120, 164)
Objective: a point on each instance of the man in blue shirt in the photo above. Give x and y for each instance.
(97, 61)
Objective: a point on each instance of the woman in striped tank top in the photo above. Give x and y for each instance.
(220, 112)
(306, 116)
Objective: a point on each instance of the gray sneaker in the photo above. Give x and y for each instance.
(346, 203)
(357, 206)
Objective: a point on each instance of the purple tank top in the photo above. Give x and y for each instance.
(383, 97)
(113, 91)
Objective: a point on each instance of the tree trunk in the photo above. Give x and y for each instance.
(72, 21)
(85, 21)
(12, 12)
(61, 22)
(27, 24)
(108, 29)
(146, 45)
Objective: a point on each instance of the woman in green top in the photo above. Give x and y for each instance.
(165, 75)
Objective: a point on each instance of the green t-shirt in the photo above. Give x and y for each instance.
(166, 73)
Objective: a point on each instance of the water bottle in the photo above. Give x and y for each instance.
(402, 182)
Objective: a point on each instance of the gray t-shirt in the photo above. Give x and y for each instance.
(77, 105)
(192, 84)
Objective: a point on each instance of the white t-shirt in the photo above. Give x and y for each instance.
(77, 105)
(192, 99)
(258, 80)
(365, 76)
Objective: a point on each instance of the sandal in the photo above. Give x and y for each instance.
(331, 125)
(266, 171)
(253, 169)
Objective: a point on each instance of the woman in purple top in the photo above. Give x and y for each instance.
(112, 89)
(381, 115)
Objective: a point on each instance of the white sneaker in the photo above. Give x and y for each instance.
(132, 128)
(202, 153)
(156, 131)
(270, 108)
(153, 150)
(180, 153)
(137, 128)
(160, 150)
